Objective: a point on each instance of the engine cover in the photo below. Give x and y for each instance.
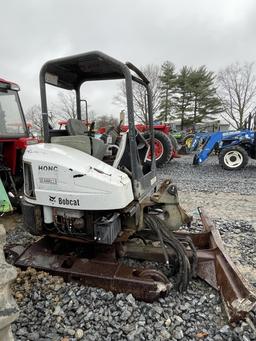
(68, 178)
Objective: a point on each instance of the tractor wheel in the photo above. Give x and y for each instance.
(233, 158)
(163, 148)
(187, 141)
(174, 142)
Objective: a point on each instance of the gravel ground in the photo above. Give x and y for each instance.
(53, 310)
(239, 239)
(209, 177)
(76, 312)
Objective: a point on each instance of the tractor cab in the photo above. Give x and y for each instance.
(14, 136)
(12, 121)
(126, 151)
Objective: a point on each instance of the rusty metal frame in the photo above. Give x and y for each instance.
(100, 268)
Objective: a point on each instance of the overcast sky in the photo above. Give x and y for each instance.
(214, 33)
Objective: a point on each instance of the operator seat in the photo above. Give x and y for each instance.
(76, 127)
(78, 139)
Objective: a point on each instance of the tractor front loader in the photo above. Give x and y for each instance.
(94, 206)
(234, 148)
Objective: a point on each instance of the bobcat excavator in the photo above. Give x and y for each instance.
(95, 203)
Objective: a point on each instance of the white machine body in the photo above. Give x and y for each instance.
(67, 178)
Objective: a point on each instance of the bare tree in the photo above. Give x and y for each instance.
(67, 105)
(237, 92)
(34, 117)
(152, 72)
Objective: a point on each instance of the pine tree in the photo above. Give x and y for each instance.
(183, 96)
(167, 90)
(204, 97)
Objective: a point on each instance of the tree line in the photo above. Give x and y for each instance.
(191, 94)
(196, 94)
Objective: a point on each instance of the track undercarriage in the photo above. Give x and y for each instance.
(189, 254)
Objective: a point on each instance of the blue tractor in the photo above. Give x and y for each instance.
(232, 147)
(198, 140)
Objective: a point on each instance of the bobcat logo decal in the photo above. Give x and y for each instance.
(52, 199)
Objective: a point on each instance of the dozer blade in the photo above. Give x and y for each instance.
(102, 271)
(216, 267)
(213, 265)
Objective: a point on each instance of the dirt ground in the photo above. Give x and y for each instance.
(228, 206)
(11, 221)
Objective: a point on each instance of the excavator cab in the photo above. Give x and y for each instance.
(70, 73)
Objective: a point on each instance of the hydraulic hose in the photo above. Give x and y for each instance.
(167, 239)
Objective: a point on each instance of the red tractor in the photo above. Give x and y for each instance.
(163, 146)
(14, 138)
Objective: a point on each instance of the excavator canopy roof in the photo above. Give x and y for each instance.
(70, 72)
